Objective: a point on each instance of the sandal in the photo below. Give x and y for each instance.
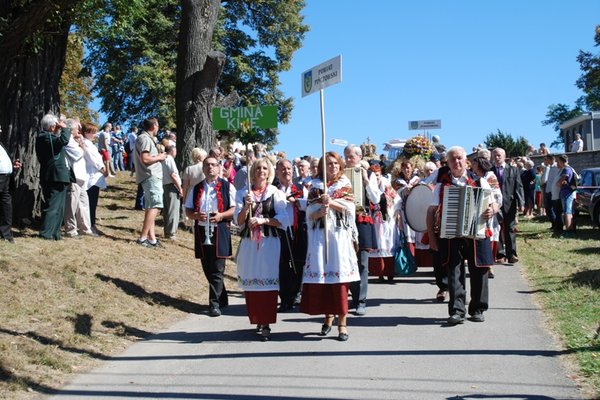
(326, 327)
(342, 336)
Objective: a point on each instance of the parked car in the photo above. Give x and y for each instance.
(587, 200)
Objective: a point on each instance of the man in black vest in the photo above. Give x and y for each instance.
(55, 174)
(455, 251)
(513, 199)
(211, 203)
(293, 238)
(364, 224)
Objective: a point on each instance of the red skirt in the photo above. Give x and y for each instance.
(382, 266)
(262, 307)
(324, 298)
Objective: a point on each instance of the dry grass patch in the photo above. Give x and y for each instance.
(72, 303)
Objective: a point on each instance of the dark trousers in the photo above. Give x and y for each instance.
(5, 207)
(214, 271)
(507, 243)
(93, 194)
(461, 249)
(439, 271)
(53, 211)
(290, 275)
(557, 226)
(358, 289)
(550, 214)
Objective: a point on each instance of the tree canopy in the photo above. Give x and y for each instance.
(556, 115)
(75, 86)
(133, 51)
(512, 147)
(589, 81)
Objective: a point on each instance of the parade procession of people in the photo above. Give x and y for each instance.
(312, 230)
(310, 237)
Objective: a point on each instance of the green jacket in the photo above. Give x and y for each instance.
(50, 149)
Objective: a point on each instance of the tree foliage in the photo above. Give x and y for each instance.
(75, 86)
(512, 147)
(556, 115)
(133, 52)
(589, 81)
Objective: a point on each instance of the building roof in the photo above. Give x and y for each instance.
(580, 119)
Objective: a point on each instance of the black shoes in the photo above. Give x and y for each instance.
(342, 336)
(214, 312)
(456, 319)
(325, 329)
(477, 317)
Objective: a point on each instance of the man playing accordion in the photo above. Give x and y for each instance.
(454, 251)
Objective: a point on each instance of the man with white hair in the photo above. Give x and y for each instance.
(55, 174)
(513, 200)
(454, 252)
(364, 223)
(77, 210)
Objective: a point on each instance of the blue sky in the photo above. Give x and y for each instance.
(478, 66)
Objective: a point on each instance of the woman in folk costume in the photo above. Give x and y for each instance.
(326, 282)
(259, 211)
(483, 168)
(381, 260)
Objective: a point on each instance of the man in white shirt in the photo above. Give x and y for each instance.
(577, 145)
(77, 209)
(211, 204)
(455, 251)
(6, 169)
(364, 224)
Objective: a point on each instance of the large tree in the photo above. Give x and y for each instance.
(33, 43)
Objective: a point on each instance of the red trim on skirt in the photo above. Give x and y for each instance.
(382, 266)
(320, 298)
(262, 307)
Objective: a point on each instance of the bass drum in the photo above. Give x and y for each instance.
(415, 207)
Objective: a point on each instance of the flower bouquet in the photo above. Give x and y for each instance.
(418, 146)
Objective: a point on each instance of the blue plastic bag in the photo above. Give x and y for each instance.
(404, 262)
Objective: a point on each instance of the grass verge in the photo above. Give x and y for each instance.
(67, 305)
(564, 274)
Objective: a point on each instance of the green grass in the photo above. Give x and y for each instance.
(565, 275)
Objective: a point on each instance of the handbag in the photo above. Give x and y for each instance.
(404, 262)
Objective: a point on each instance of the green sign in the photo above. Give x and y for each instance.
(229, 118)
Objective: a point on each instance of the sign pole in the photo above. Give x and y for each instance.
(323, 139)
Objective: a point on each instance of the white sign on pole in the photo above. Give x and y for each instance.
(339, 142)
(323, 75)
(425, 125)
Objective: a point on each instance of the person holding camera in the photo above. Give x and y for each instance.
(55, 174)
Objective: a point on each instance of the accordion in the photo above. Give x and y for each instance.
(461, 212)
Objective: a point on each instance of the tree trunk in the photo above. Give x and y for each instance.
(28, 90)
(198, 72)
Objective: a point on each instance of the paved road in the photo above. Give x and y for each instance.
(402, 349)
